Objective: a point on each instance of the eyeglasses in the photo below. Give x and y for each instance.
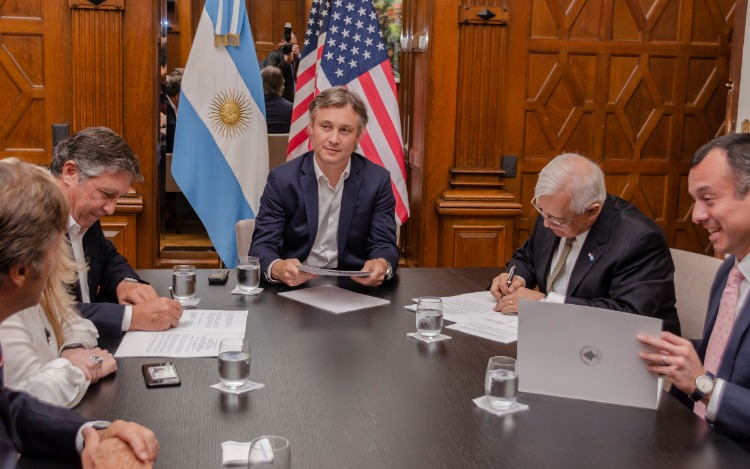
(558, 222)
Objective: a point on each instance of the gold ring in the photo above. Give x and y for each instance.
(511, 302)
(664, 360)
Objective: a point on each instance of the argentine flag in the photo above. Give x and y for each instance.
(220, 158)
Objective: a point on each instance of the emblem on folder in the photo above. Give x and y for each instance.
(590, 355)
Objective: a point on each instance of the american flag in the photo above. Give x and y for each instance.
(344, 47)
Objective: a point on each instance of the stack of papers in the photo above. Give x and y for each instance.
(197, 335)
(334, 299)
(472, 314)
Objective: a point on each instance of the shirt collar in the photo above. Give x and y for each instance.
(74, 229)
(319, 172)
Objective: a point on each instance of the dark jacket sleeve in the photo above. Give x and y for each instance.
(107, 317)
(268, 237)
(382, 238)
(35, 428)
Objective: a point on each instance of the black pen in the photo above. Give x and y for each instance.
(171, 293)
(511, 274)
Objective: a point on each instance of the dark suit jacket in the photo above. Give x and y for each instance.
(107, 268)
(624, 264)
(287, 221)
(34, 428)
(278, 114)
(733, 414)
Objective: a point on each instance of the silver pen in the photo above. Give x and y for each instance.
(511, 274)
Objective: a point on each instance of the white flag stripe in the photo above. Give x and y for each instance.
(225, 77)
(235, 16)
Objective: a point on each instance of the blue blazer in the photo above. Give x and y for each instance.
(733, 414)
(287, 221)
(107, 268)
(34, 428)
(624, 264)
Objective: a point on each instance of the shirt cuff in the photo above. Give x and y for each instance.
(715, 400)
(553, 297)
(127, 318)
(97, 424)
(268, 272)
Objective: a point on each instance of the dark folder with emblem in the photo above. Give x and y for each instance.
(586, 353)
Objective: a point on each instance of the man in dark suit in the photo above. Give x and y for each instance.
(713, 375)
(330, 207)
(590, 248)
(33, 215)
(93, 168)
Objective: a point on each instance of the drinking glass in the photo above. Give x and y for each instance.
(501, 382)
(183, 283)
(270, 451)
(429, 316)
(234, 362)
(248, 273)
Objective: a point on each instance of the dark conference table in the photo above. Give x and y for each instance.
(353, 391)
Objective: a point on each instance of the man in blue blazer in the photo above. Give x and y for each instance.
(618, 258)
(713, 375)
(93, 168)
(33, 216)
(331, 207)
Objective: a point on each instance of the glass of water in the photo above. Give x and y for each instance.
(234, 362)
(248, 273)
(501, 382)
(183, 283)
(270, 451)
(429, 316)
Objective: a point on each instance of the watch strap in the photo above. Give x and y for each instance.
(697, 394)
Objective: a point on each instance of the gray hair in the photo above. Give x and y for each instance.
(95, 151)
(737, 148)
(576, 174)
(33, 211)
(339, 97)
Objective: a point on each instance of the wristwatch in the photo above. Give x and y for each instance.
(704, 384)
(129, 279)
(388, 271)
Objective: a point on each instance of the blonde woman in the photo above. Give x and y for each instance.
(49, 349)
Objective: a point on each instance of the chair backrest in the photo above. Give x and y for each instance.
(170, 185)
(277, 145)
(693, 276)
(244, 230)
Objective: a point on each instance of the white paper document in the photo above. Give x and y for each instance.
(334, 299)
(196, 335)
(473, 314)
(585, 353)
(332, 272)
(498, 327)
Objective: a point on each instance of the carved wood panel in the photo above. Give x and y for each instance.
(32, 92)
(637, 86)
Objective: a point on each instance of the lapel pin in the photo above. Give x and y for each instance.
(591, 257)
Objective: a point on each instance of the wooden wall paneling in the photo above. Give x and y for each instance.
(97, 69)
(140, 122)
(267, 19)
(737, 44)
(33, 71)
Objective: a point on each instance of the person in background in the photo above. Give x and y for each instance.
(713, 375)
(278, 109)
(330, 207)
(93, 168)
(33, 215)
(286, 58)
(590, 248)
(50, 350)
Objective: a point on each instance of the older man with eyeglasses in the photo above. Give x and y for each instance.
(589, 248)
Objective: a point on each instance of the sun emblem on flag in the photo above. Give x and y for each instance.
(230, 112)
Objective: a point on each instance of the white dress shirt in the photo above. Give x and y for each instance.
(556, 292)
